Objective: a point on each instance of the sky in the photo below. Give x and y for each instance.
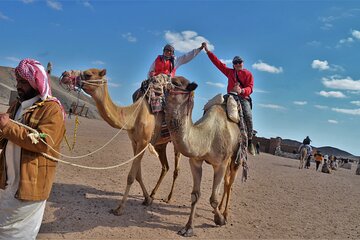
(304, 55)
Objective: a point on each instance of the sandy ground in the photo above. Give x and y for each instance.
(278, 200)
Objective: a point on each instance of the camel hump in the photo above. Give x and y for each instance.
(217, 100)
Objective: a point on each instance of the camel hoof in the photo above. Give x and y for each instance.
(186, 232)
(116, 212)
(147, 201)
(219, 220)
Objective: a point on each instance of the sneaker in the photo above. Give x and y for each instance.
(251, 149)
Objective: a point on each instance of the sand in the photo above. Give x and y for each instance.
(278, 200)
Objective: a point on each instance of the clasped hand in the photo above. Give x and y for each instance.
(4, 119)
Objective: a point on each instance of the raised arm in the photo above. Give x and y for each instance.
(187, 57)
(221, 66)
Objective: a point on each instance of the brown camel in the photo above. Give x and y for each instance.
(213, 139)
(142, 126)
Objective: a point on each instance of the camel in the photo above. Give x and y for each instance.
(142, 126)
(303, 157)
(214, 139)
(358, 169)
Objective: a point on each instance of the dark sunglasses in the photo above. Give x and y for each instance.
(237, 62)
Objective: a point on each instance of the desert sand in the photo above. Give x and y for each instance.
(278, 201)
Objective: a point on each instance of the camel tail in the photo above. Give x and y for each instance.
(152, 150)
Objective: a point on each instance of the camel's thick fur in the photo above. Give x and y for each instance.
(213, 139)
(142, 126)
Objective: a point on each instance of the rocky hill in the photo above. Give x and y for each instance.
(8, 84)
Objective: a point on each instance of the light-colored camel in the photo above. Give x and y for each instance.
(142, 126)
(213, 139)
(358, 169)
(303, 157)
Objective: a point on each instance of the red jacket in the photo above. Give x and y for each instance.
(244, 75)
(163, 66)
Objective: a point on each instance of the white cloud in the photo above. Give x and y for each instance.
(226, 61)
(345, 84)
(333, 94)
(186, 40)
(219, 85)
(13, 59)
(321, 107)
(333, 121)
(54, 4)
(129, 37)
(321, 65)
(345, 41)
(272, 106)
(324, 65)
(98, 62)
(301, 103)
(115, 85)
(347, 111)
(355, 34)
(4, 17)
(314, 43)
(87, 4)
(357, 103)
(257, 90)
(261, 66)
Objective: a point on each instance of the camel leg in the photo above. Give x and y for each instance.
(196, 171)
(130, 180)
(176, 174)
(233, 173)
(219, 173)
(161, 150)
(226, 184)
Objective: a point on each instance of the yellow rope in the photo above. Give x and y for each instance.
(96, 168)
(77, 122)
(37, 137)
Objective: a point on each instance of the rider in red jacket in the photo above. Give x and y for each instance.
(240, 81)
(167, 63)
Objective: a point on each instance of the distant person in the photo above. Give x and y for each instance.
(325, 167)
(26, 175)
(167, 63)
(70, 112)
(318, 159)
(307, 140)
(49, 68)
(240, 81)
(258, 147)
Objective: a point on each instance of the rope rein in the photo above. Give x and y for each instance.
(35, 137)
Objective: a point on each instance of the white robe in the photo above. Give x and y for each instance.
(18, 219)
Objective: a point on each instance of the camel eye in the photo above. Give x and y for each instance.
(176, 83)
(87, 75)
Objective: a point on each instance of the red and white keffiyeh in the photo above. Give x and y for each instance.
(32, 71)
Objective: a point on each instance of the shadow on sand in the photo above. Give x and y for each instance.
(88, 208)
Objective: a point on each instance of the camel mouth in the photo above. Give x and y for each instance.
(71, 80)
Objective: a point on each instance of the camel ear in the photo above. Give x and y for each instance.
(102, 72)
(191, 87)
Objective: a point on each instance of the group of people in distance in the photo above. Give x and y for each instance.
(328, 162)
(27, 176)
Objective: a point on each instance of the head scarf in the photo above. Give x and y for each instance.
(32, 71)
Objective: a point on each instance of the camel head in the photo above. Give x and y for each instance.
(180, 97)
(88, 80)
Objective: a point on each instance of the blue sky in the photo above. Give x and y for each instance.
(304, 55)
